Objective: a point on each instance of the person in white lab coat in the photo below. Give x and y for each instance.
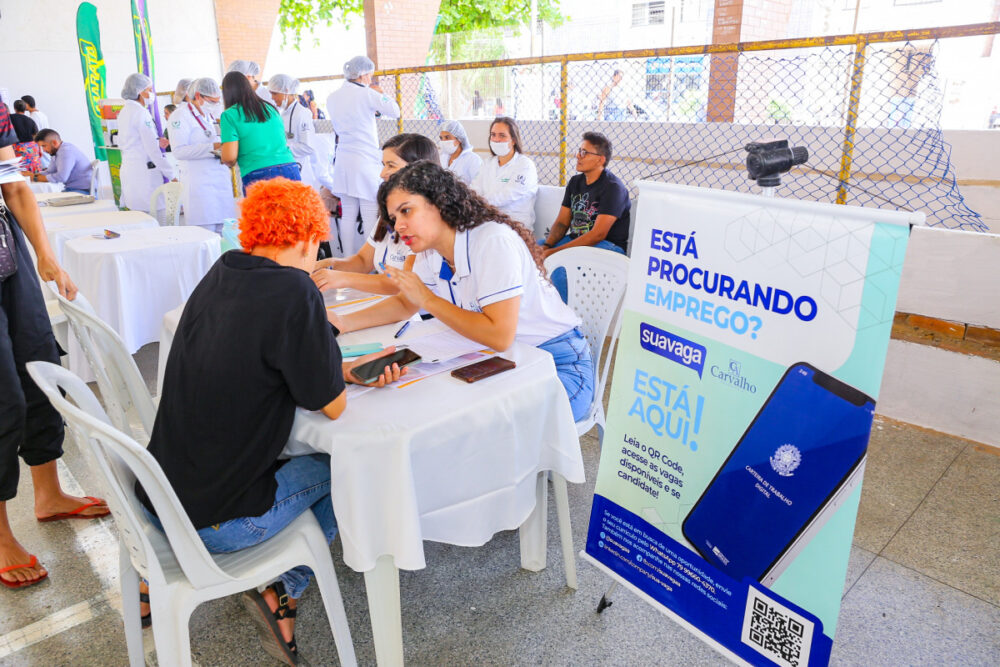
(251, 71)
(208, 197)
(456, 152)
(181, 91)
(351, 109)
(143, 165)
(508, 180)
(300, 130)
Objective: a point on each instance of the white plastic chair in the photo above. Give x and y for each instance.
(548, 201)
(596, 281)
(118, 377)
(95, 179)
(180, 571)
(172, 194)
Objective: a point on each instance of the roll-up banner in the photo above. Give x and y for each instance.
(754, 334)
(88, 37)
(144, 55)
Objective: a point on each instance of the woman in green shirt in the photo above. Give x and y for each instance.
(253, 135)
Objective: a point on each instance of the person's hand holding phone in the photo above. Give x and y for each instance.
(388, 376)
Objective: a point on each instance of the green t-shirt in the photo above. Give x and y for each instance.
(261, 144)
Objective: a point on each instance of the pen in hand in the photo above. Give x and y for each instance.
(402, 329)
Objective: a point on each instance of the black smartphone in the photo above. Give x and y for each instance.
(370, 371)
(796, 463)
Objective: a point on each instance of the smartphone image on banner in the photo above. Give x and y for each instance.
(797, 462)
(370, 371)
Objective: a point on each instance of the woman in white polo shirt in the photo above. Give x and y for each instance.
(508, 180)
(477, 271)
(456, 151)
(383, 249)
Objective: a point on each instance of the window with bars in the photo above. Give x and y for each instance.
(648, 13)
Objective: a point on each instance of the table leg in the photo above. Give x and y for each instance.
(382, 586)
(533, 531)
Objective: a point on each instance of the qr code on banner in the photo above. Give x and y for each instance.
(775, 631)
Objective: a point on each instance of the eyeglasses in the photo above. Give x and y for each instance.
(581, 152)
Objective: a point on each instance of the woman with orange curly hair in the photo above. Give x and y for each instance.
(253, 344)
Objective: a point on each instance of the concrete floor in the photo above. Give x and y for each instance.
(923, 587)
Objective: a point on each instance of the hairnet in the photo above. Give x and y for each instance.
(244, 67)
(455, 128)
(358, 66)
(283, 84)
(135, 84)
(205, 86)
(180, 90)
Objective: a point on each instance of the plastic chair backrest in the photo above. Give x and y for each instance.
(596, 281)
(120, 460)
(548, 201)
(118, 377)
(95, 179)
(172, 194)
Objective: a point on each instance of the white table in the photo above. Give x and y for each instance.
(455, 463)
(96, 206)
(63, 228)
(133, 280)
(42, 188)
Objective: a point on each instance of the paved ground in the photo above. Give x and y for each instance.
(923, 586)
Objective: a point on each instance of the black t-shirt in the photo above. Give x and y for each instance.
(25, 127)
(252, 344)
(605, 196)
(8, 137)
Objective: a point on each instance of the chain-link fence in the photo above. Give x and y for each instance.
(867, 107)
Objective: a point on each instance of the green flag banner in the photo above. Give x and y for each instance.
(144, 53)
(88, 36)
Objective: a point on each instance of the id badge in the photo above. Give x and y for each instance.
(208, 133)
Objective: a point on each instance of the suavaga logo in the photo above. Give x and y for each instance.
(673, 347)
(733, 375)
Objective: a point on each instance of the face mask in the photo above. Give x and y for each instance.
(500, 148)
(213, 109)
(448, 147)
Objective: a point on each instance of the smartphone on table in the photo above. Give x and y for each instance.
(370, 371)
(483, 369)
(797, 462)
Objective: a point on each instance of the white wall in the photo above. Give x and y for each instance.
(39, 56)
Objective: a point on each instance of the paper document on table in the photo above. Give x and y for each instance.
(424, 370)
(10, 171)
(356, 390)
(443, 345)
(347, 297)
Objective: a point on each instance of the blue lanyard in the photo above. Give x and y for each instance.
(447, 274)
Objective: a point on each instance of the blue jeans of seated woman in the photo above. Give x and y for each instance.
(558, 277)
(290, 171)
(575, 369)
(303, 484)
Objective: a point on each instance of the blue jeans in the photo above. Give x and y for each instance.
(558, 277)
(303, 484)
(575, 369)
(290, 171)
(78, 191)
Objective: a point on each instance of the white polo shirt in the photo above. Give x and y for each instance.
(511, 188)
(387, 251)
(492, 264)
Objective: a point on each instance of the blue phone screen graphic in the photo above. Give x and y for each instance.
(802, 445)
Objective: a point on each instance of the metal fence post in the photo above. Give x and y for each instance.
(563, 118)
(853, 102)
(399, 103)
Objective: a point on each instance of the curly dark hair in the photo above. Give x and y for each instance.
(460, 207)
(410, 148)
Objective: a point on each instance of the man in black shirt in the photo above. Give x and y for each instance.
(253, 344)
(595, 209)
(25, 127)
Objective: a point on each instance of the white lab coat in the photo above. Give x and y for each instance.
(208, 197)
(511, 188)
(351, 109)
(299, 124)
(139, 145)
(264, 94)
(466, 166)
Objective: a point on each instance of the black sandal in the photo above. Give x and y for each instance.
(147, 620)
(267, 624)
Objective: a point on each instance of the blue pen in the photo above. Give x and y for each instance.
(402, 329)
(381, 265)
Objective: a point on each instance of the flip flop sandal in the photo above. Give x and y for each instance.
(21, 584)
(267, 624)
(76, 513)
(147, 620)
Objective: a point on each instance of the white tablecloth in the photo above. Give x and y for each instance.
(96, 206)
(42, 188)
(63, 228)
(133, 280)
(440, 459)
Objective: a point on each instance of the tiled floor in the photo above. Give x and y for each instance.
(923, 586)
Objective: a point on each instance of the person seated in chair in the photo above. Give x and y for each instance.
(252, 345)
(595, 210)
(69, 165)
